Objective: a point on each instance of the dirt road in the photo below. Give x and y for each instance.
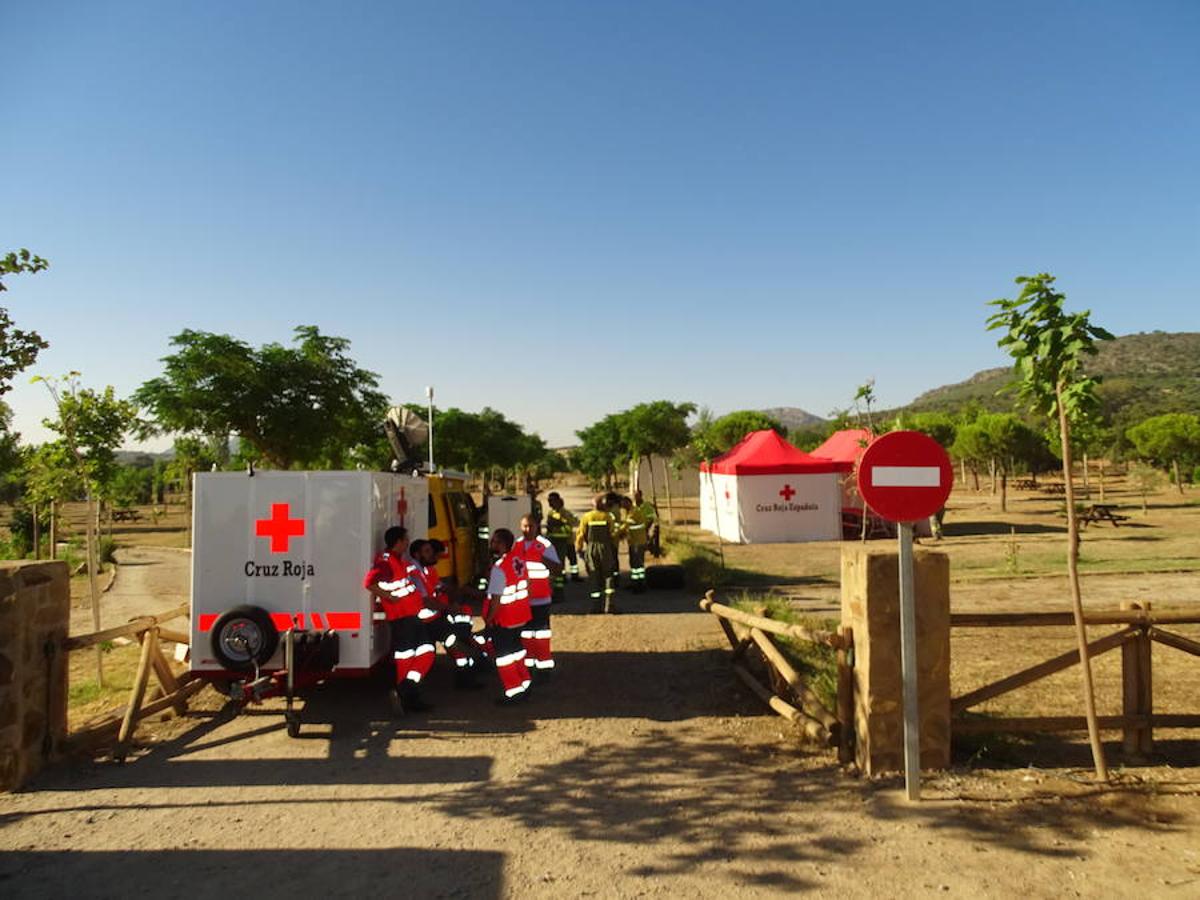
(149, 580)
(641, 770)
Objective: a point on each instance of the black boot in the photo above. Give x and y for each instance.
(410, 697)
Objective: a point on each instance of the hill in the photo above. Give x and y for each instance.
(1142, 375)
(793, 417)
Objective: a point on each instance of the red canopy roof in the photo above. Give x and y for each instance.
(766, 453)
(844, 446)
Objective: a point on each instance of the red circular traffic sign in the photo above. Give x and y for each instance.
(904, 476)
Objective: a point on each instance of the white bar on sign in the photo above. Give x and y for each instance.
(906, 476)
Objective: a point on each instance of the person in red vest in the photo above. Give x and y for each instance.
(394, 578)
(507, 615)
(542, 564)
(447, 622)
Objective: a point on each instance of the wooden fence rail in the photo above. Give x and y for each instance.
(789, 695)
(172, 693)
(1143, 626)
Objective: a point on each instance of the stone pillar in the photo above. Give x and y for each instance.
(871, 606)
(35, 608)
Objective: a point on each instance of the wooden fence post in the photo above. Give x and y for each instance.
(1137, 688)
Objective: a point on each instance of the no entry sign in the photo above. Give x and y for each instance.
(904, 476)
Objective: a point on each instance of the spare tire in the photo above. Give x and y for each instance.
(244, 637)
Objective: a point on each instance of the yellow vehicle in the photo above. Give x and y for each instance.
(452, 520)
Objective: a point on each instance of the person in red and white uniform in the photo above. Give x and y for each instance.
(542, 565)
(394, 578)
(507, 615)
(446, 621)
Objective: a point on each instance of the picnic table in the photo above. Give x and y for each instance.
(1101, 512)
(1026, 484)
(125, 515)
(1054, 487)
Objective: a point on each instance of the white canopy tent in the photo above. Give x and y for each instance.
(765, 490)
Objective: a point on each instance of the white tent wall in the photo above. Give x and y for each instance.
(719, 505)
(785, 508)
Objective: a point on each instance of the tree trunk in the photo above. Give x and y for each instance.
(962, 465)
(1101, 468)
(667, 485)
(93, 580)
(1004, 490)
(1178, 480)
(54, 529)
(37, 534)
(992, 475)
(975, 475)
(653, 481)
(1085, 662)
(1087, 488)
(187, 504)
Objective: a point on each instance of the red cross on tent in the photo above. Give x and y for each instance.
(280, 528)
(401, 504)
(787, 493)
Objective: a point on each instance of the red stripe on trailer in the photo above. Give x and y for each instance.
(344, 621)
(281, 621)
(316, 622)
(348, 621)
(207, 620)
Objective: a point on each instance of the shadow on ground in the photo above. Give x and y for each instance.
(280, 872)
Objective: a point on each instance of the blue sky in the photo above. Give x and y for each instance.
(561, 209)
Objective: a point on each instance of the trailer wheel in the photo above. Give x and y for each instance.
(244, 637)
(293, 724)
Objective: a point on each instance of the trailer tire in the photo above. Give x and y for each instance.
(244, 637)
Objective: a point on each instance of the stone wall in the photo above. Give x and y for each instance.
(35, 605)
(871, 606)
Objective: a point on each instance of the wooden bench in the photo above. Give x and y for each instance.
(1101, 512)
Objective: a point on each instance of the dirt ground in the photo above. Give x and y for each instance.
(642, 769)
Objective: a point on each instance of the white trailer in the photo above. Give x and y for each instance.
(278, 560)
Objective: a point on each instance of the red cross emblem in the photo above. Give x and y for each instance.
(401, 504)
(279, 528)
(787, 493)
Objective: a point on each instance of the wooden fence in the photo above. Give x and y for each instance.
(172, 692)
(786, 691)
(1140, 626)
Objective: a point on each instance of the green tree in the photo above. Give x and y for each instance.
(722, 434)
(602, 450)
(91, 426)
(1167, 440)
(18, 349)
(658, 428)
(308, 405)
(1048, 346)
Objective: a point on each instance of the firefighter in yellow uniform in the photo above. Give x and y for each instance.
(635, 527)
(650, 513)
(596, 539)
(560, 529)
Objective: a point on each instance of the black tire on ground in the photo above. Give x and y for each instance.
(244, 636)
(660, 578)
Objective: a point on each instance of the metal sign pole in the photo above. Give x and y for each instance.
(908, 665)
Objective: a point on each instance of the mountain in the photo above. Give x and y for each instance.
(1142, 375)
(793, 417)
